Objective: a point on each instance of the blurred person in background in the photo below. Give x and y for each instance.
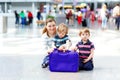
(30, 17)
(16, 17)
(103, 15)
(116, 15)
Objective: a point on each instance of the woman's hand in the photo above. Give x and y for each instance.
(50, 50)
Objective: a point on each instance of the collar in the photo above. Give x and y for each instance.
(88, 41)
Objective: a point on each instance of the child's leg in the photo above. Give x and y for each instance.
(45, 61)
(89, 65)
(80, 64)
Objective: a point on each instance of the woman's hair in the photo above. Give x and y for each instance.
(84, 30)
(47, 21)
(62, 28)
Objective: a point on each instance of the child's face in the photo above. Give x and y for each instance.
(61, 34)
(85, 36)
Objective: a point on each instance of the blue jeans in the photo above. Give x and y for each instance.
(88, 22)
(104, 22)
(46, 60)
(23, 20)
(17, 20)
(118, 22)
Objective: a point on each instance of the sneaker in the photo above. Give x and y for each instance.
(44, 65)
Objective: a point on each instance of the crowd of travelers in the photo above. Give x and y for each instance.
(84, 16)
(87, 17)
(22, 18)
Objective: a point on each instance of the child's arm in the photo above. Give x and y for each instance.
(65, 46)
(74, 48)
(90, 56)
(68, 44)
(62, 47)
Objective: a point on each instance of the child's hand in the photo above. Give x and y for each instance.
(61, 48)
(85, 60)
(73, 48)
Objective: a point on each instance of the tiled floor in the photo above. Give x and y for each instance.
(21, 56)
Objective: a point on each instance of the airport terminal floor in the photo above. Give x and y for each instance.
(21, 57)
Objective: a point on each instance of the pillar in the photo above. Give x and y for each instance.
(5, 7)
(33, 12)
(33, 8)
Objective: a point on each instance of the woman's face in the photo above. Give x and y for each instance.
(51, 28)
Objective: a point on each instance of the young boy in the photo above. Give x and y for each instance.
(61, 41)
(86, 50)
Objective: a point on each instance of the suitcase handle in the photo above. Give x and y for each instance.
(66, 51)
(56, 51)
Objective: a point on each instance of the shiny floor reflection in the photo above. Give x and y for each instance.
(21, 57)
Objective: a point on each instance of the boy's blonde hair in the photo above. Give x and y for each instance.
(84, 30)
(62, 28)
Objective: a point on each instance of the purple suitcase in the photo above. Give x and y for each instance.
(67, 61)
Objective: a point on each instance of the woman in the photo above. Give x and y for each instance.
(104, 12)
(49, 32)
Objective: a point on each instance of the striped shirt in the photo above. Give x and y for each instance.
(85, 49)
(60, 41)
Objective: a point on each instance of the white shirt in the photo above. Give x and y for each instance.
(116, 11)
(46, 42)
